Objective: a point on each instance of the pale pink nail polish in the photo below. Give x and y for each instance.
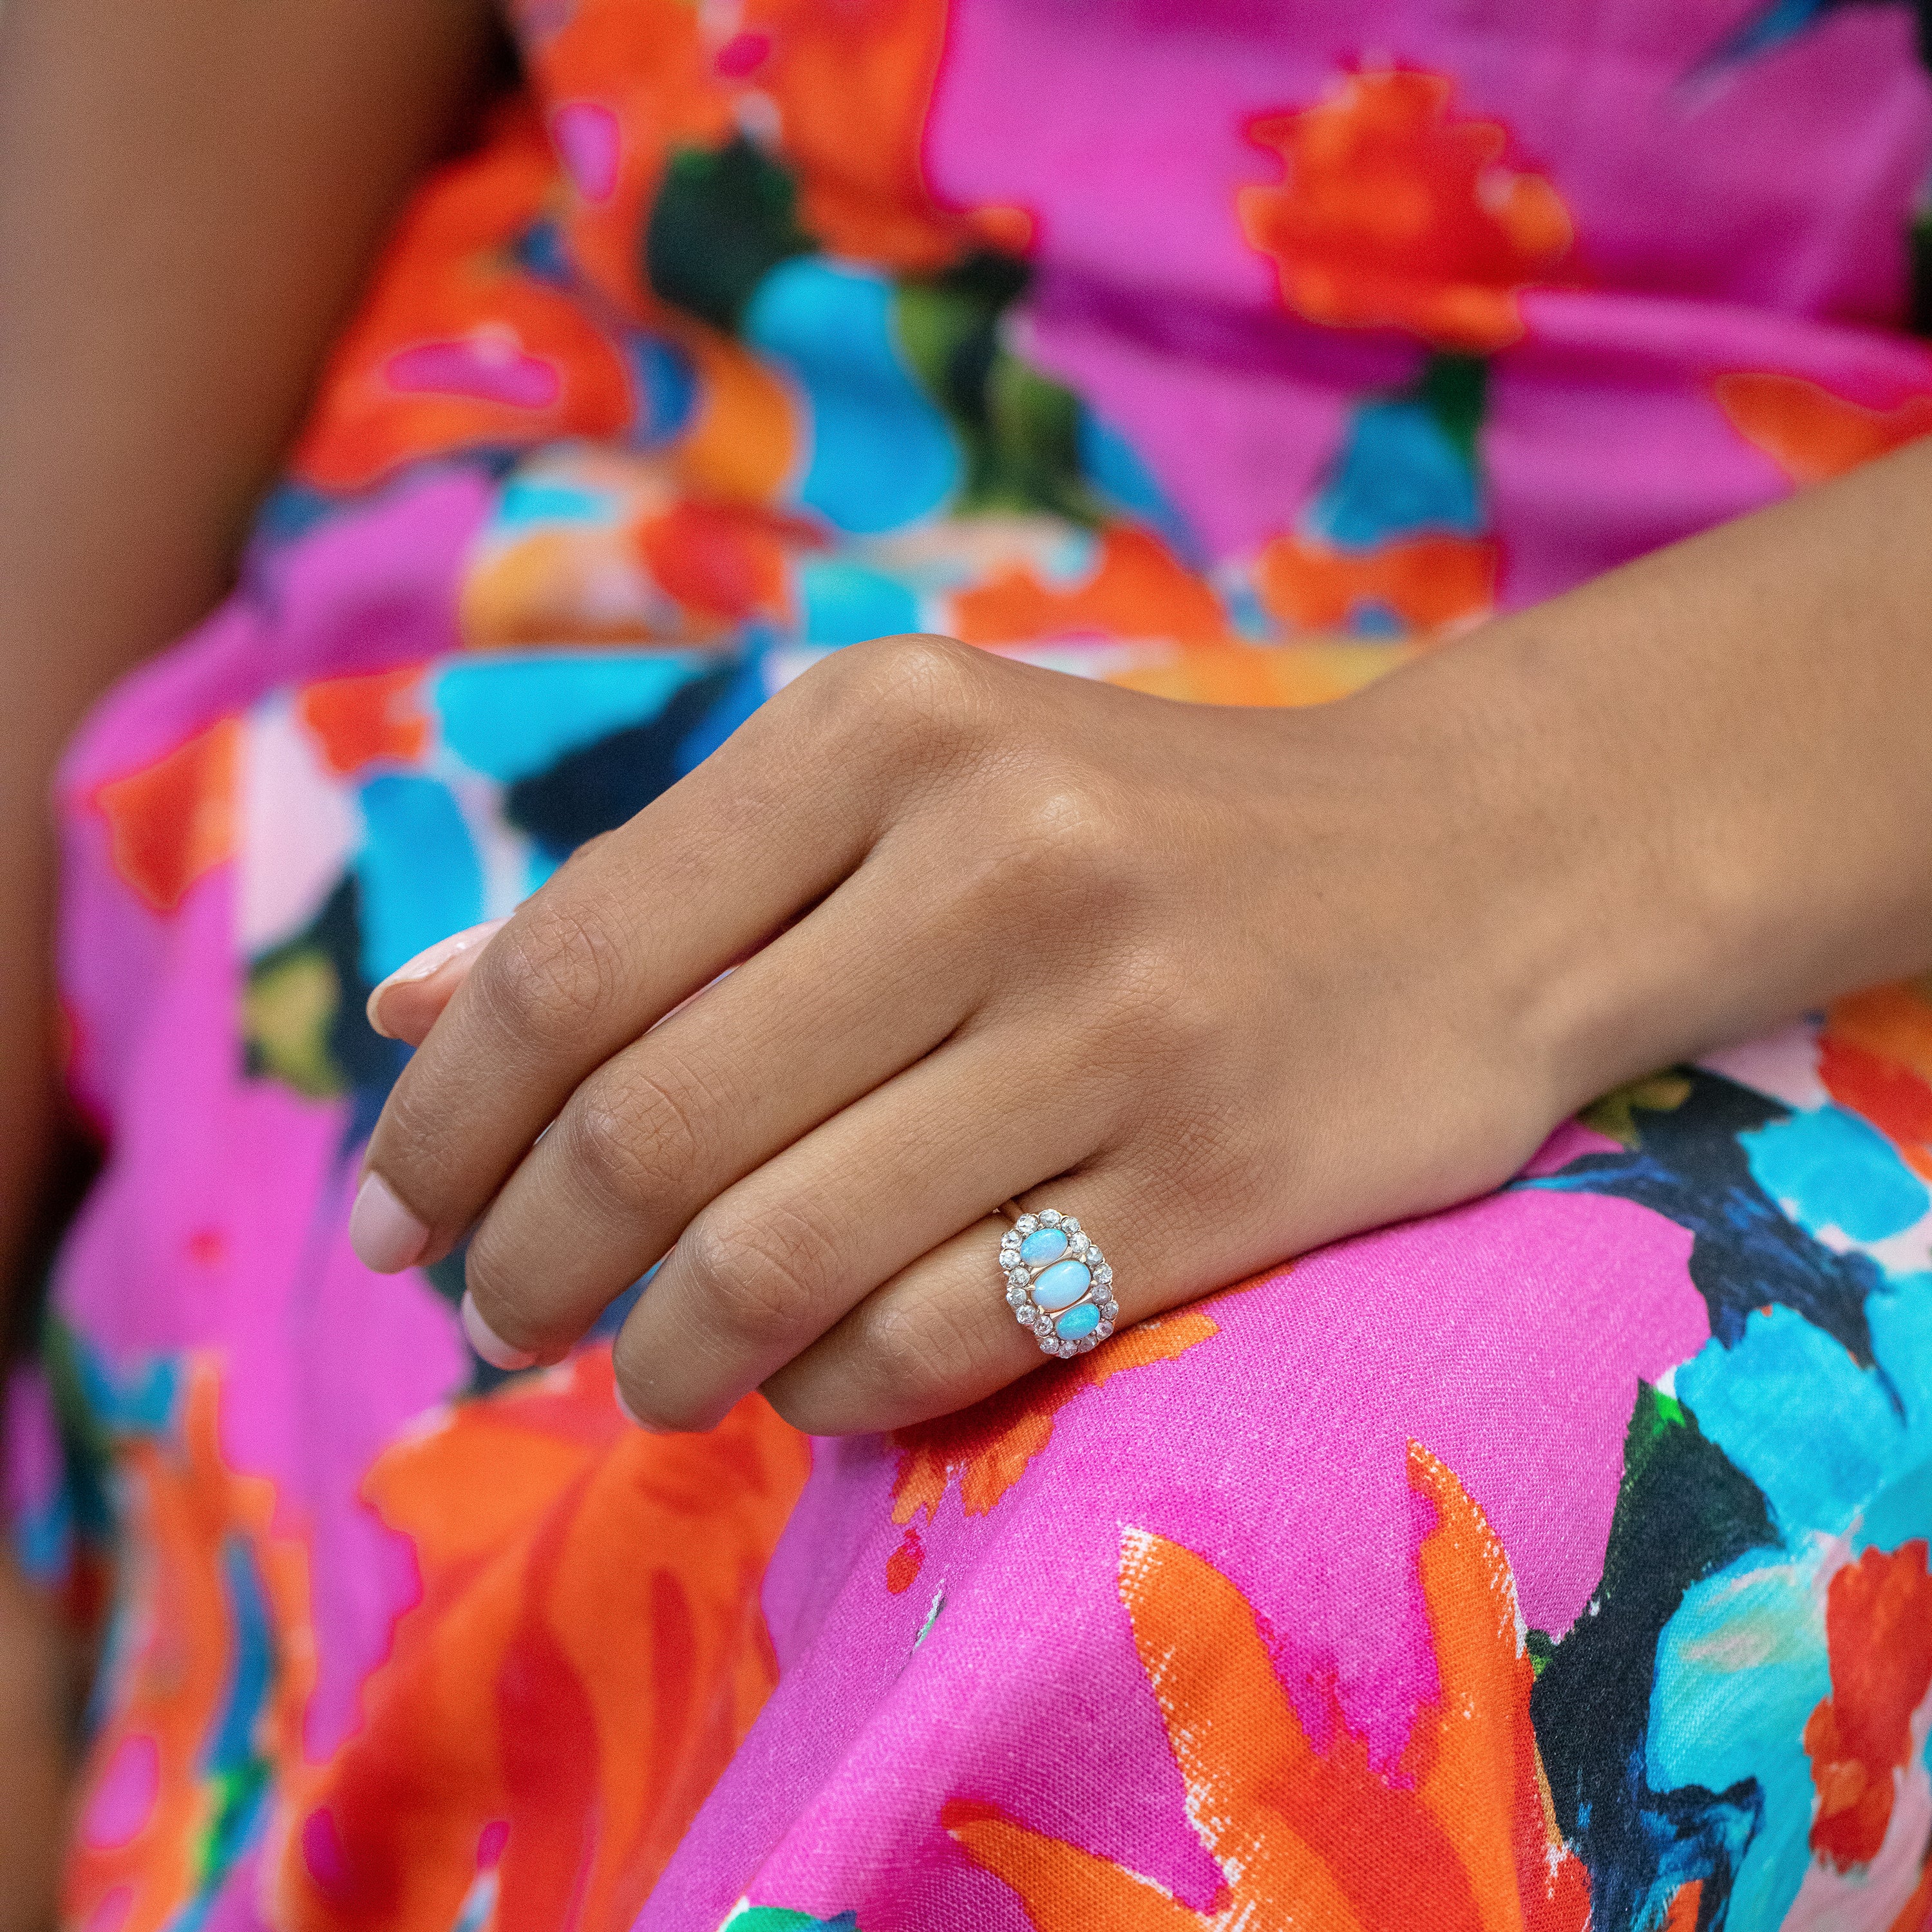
(431, 959)
(488, 1343)
(382, 1230)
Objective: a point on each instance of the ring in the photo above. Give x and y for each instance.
(1058, 1283)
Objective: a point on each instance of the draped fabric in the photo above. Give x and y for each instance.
(1560, 1561)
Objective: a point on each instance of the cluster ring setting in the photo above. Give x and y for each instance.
(1058, 1283)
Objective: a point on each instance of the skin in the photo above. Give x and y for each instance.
(1302, 973)
(190, 194)
(1224, 985)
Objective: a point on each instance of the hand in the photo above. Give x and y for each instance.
(1222, 984)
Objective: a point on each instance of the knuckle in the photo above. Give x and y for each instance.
(1063, 835)
(916, 689)
(918, 1355)
(629, 1138)
(756, 1281)
(547, 976)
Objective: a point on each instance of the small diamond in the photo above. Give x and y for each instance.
(1016, 1294)
(1078, 1245)
(1072, 1226)
(1087, 1341)
(1108, 1307)
(1023, 1314)
(1103, 1329)
(1106, 1274)
(1093, 1256)
(1010, 1239)
(1050, 1218)
(1026, 1224)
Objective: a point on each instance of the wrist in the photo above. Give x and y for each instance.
(1615, 927)
(1687, 849)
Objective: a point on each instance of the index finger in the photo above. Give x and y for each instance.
(633, 924)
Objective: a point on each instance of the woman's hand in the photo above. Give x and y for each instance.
(1221, 984)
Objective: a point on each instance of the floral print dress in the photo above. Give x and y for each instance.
(1560, 1561)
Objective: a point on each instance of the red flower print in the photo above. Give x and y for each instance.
(1135, 589)
(173, 820)
(1875, 1057)
(1878, 1626)
(1395, 215)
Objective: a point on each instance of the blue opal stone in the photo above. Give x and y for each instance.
(1062, 1285)
(1077, 1322)
(1048, 1245)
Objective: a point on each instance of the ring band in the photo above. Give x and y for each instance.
(1058, 1283)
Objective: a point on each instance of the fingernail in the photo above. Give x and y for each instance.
(631, 1416)
(430, 959)
(488, 1343)
(382, 1230)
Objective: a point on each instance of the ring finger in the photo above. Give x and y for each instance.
(775, 1260)
(942, 1333)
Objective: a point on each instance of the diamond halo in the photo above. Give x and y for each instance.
(1079, 1297)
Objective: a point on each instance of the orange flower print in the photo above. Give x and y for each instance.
(1432, 584)
(218, 1653)
(355, 721)
(721, 563)
(988, 1446)
(588, 1652)
(1136, 589)
(1811, 434)
(1878, 1629)
(623, 82)
(1461, 1838)
(1395, 214)
(1311, 670)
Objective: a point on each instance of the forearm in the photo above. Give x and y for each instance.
(1727, 748)
(190, 192)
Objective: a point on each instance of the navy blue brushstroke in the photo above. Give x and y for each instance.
(1783, 21)
(1746, 1253)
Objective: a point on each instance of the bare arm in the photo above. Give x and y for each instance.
(189, 192)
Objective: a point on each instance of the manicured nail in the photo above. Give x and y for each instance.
(382, 1230)
(431, 959)
(488, 1343)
